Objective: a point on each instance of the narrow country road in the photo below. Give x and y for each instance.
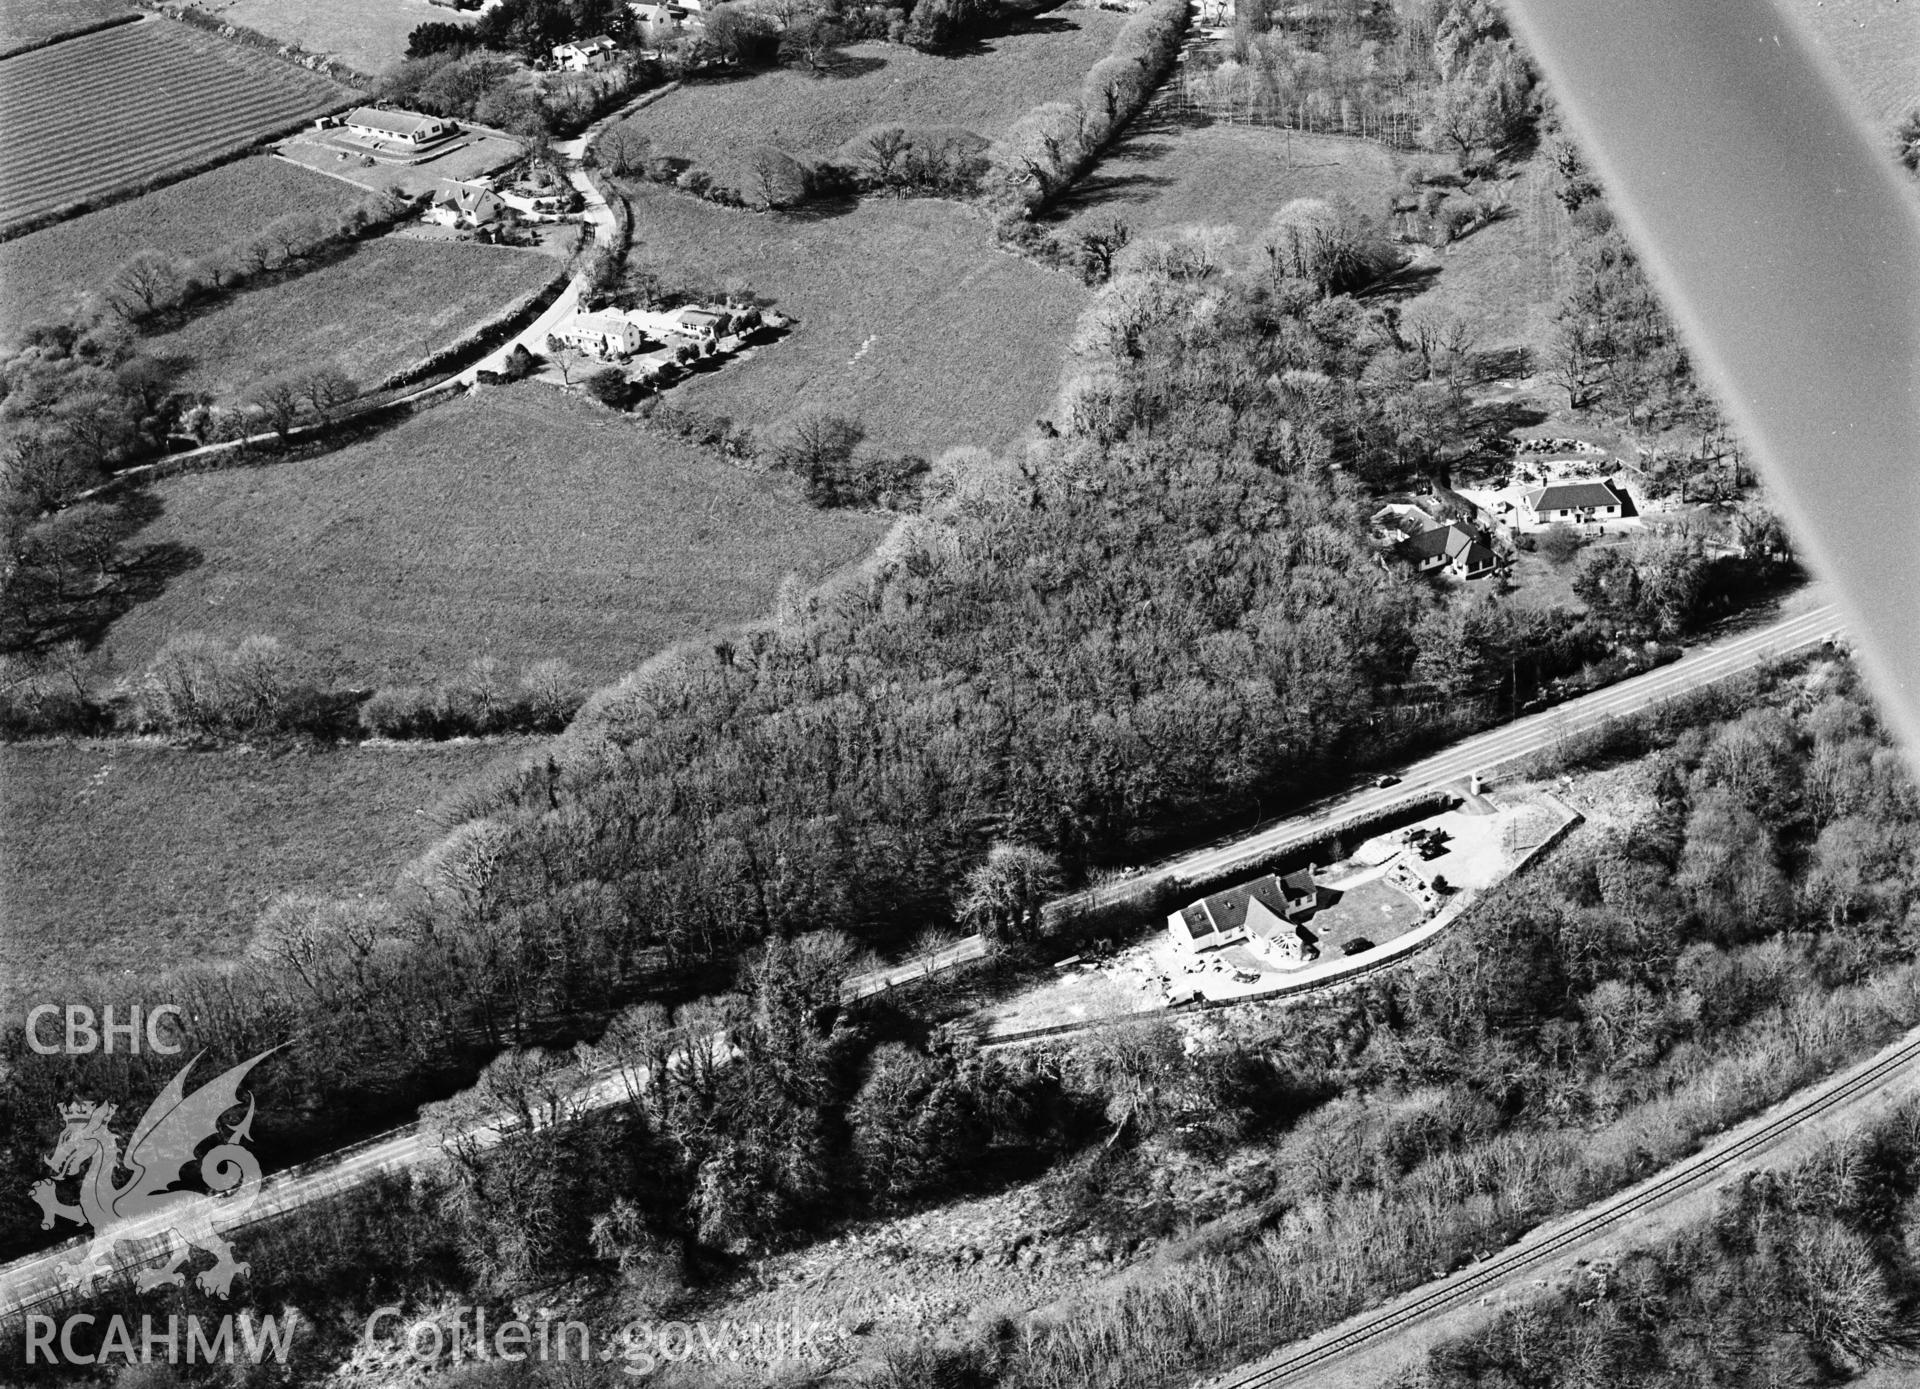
(38, 1281)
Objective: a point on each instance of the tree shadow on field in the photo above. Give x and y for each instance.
(1498, 363)
(821, 210)
(842, 67)
(1404, 283)
(46, 614)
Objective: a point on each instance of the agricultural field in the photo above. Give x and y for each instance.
(46, 271)
(518, 522)
(1875, 44)
(910, 318)
(110, 112)
(115, 854)
(369, 36)
(715, 123)
(24, 23)
(382, 306)
(1171, 171)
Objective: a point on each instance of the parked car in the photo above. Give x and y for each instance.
(1357, 946)
(1386, 779)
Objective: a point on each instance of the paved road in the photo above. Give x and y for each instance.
(1486, 752)
(1372, 1347)
(34, 1280)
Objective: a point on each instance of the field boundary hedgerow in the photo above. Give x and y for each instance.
(198, 18)
(35, 45)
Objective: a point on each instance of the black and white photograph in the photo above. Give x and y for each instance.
(960, 694)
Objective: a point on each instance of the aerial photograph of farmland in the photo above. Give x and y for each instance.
(953, 694)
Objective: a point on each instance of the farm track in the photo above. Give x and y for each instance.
(108, 111)
(1705, 1169)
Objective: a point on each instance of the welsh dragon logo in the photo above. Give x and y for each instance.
(149, 1202)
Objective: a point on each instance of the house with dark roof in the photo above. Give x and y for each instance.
(1452, 548)
(1573, 503)
(458, 204)
(1265, 915)
(399, 127)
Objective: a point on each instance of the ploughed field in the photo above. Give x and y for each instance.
(24, 23)
(113, 111)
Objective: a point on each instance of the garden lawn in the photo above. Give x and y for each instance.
(369, 36)
(910, 319)
(518, 522)
(24, 23)
(48, 270)
(115, 111)
(122, 856)
(1170, 172)
(716, 123)
(381, 306)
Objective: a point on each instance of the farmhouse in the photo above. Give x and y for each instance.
(583, 54)
(402, 127)
(610, 334)
(1452, 548)
(656, 16)
(1572, 502)
(464, 205)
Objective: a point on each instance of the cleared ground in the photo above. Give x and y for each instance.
(106, 112)
(474, 153)
(47, 270)
(715, 123)
(367, 35)
(910, 319)
(1169, 173)
(26, 22)
(121, 856)
(382, 306)
(519, 523)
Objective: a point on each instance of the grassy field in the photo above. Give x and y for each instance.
(384, 305)
(43, 272)
(1170, 173)
(1876, 45)
(1507, 278)
(101, 114)
(367, 35)
(910, 319)
(25, 22)
(122, 856)
(519, 523)
(714, 123)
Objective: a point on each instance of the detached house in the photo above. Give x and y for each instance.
(465, 205)
(1264, 915)
(399, 127)
(582, 54)
(1452, 548)
(609, 334)
(1573, 503)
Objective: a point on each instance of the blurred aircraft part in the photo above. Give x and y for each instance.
(1785, 241)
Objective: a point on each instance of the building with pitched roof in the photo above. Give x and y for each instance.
(458, 204)
(1265, 915)
(399, 127)
(583, 54)
(1452, 548)
(1573, 503)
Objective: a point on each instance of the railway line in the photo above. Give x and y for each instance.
(1327, 1360)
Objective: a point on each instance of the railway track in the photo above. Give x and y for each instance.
(1682, 1179)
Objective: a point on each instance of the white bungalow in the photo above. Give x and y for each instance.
(399, 127)
(609, 334)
